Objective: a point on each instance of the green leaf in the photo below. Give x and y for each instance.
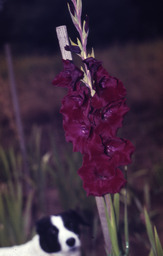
(2, 213)
(79, 44)
(151, 253)
(5, 163)
(112, 226)
(27, 212)
(74, 18)
(126, 232)
(72, 43)
(158, 243)
(116, 207)
(92, 54)
(150, 231)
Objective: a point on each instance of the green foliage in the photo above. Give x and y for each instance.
(56, 168)
(15, 206)
(156, 247)
(63, 171)
(116, 204)
(112, 211)
(112, 225)
(38, 163)
(14, 215)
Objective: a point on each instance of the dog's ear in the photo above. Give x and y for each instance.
(77, 217)
(42, 224)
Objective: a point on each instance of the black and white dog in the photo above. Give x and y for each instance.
(57, 235)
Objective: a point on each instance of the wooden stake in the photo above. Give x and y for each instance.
(103, 220)
(63, 41)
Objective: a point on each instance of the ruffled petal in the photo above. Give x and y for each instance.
(69, 76)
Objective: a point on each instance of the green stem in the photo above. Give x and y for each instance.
(126, 231)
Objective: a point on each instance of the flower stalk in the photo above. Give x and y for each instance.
(126, 231)
(75, 10)
(100, 201)
(93, 111)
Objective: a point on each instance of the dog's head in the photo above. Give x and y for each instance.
(60, 233)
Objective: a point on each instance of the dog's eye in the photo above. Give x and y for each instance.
(53, 230)
(70, 225)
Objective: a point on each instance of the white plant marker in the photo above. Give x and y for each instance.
(63, 41)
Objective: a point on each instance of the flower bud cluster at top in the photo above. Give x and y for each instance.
(91, 121)
(80, 48)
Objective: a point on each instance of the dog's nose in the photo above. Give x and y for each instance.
(71, 241)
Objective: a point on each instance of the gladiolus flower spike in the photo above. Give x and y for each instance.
(91, 120)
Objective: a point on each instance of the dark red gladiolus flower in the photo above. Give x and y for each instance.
(92, 65)
(101, 177)
(94, 146)
(73, 48)
(114, 149)
(69, 76)
(108, 88)
(91, 124)
(76, 125)
(75, 109)
(78, 133)
(75, 99)
(110, 118)
(119, 150)
(112, 91)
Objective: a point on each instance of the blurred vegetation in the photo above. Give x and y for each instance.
(156, 247)
(15, 216)
(49, 169)
(123, 248)
(51, 160)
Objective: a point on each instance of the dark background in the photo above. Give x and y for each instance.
(30, 24)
